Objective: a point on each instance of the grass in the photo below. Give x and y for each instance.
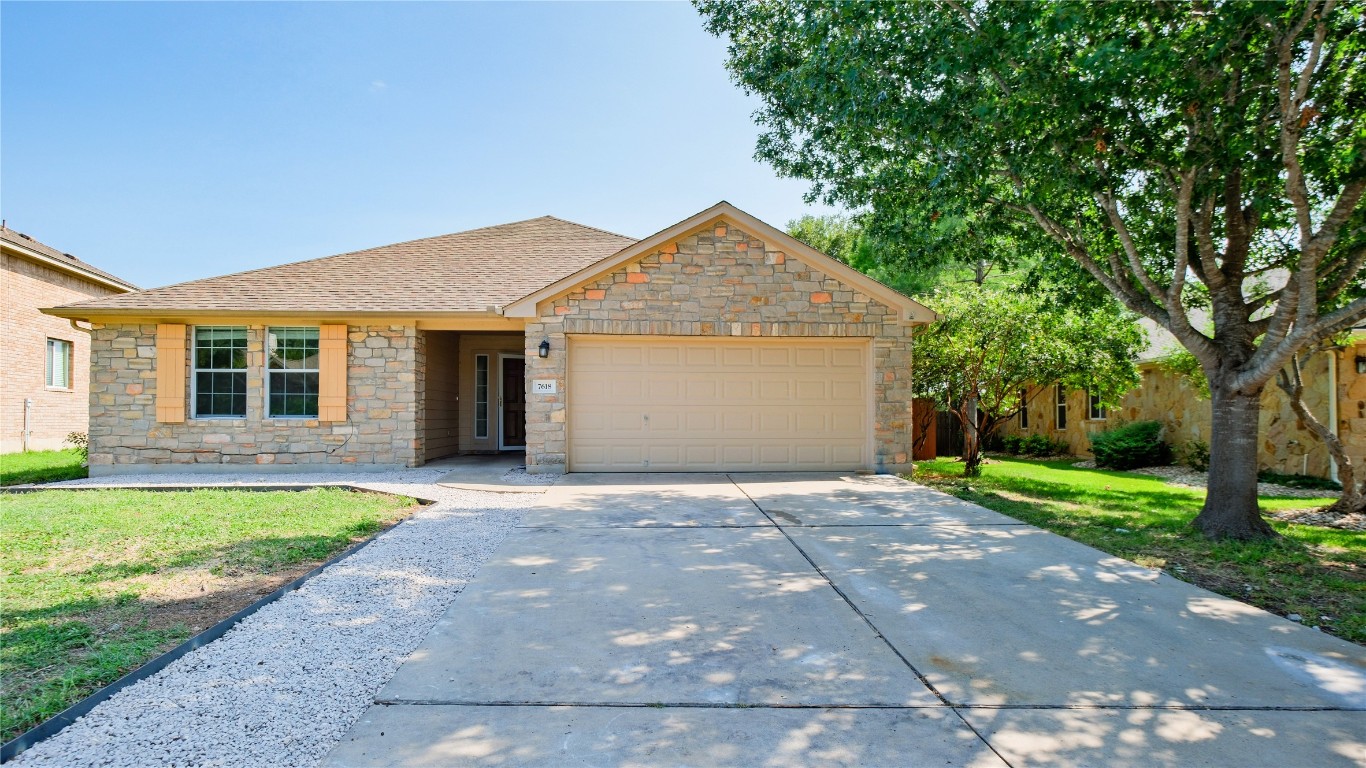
(41, 466)
(96, 583)
(1318, 573)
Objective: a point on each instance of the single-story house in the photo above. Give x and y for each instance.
(1335, 392)
(718, 344)
(44, 360)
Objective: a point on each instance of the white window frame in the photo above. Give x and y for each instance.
(271, 372)
(1060, 408)
(195, 370)
(484, 402)
(49, 368)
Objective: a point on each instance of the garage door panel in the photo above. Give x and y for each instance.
(701, 421)
(848, 357)
(738, 389)
(775, 389)
(670, 356)
(847, 389)
(777, 423)
(812, 357)
(737, 357)
(701, 455)
(692, 404)
(702, 390)
(775, 357)
(626, 355)
(737, 422)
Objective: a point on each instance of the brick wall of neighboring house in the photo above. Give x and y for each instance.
(382, 429)
(720, 282)
(1163, 396)
(54, 412)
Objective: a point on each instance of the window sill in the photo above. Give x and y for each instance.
(208, 419)
(58, 389)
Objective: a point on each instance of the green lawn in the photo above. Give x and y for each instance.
(41, 466)
(96, 583)
(1312, 571)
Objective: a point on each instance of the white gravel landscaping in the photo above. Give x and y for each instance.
(283, 686)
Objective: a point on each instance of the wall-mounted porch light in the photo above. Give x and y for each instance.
(544, 349)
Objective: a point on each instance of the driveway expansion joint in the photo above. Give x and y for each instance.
(869, 622)
(640, 705)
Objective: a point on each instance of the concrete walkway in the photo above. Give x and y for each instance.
(792, 620)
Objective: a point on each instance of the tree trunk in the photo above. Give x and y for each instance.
(1230, 510)
(972, 444)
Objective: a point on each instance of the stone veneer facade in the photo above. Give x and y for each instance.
(383, 427)
(719, 282)
(1285, 446)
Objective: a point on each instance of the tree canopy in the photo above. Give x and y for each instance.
(1179, 155)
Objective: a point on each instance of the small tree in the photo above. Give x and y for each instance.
(992, 343)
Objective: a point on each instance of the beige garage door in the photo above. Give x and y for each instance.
(671, 404)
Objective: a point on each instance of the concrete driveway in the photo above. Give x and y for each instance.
(819, 619)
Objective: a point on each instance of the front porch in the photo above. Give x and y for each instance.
(472, 394)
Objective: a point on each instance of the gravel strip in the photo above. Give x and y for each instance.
(1190, 478)
(282, 687)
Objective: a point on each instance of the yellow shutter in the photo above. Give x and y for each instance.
(171, 373)
(332, 373)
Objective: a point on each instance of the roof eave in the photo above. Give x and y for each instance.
(77, 312)
(70, 269)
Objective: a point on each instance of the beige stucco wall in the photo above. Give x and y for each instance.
(1163, 396)
(383, 426)
(28, 286)
(720, 282)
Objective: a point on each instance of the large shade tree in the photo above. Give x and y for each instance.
(1183, 155)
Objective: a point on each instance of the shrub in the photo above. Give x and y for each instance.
(1298, 481)
(1034, 445)
(1138, 444)
(81, 442)
(1194, 454)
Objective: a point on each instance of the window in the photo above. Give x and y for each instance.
(58, 374)
(1097, 410)
(1060, 400)
(481, 396)
(292, 367)
(220, 372)
(1024, 409)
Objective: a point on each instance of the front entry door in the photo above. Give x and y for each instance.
(512, 396)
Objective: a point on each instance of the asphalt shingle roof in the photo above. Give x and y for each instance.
(24, 241)
(461, 272)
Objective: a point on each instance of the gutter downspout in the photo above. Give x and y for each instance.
(1333, 408)
(28, 411)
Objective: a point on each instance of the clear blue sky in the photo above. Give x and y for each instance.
(169, 141)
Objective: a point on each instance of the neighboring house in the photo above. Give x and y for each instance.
(1169, 398)
(720, 343)
(44, 360)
